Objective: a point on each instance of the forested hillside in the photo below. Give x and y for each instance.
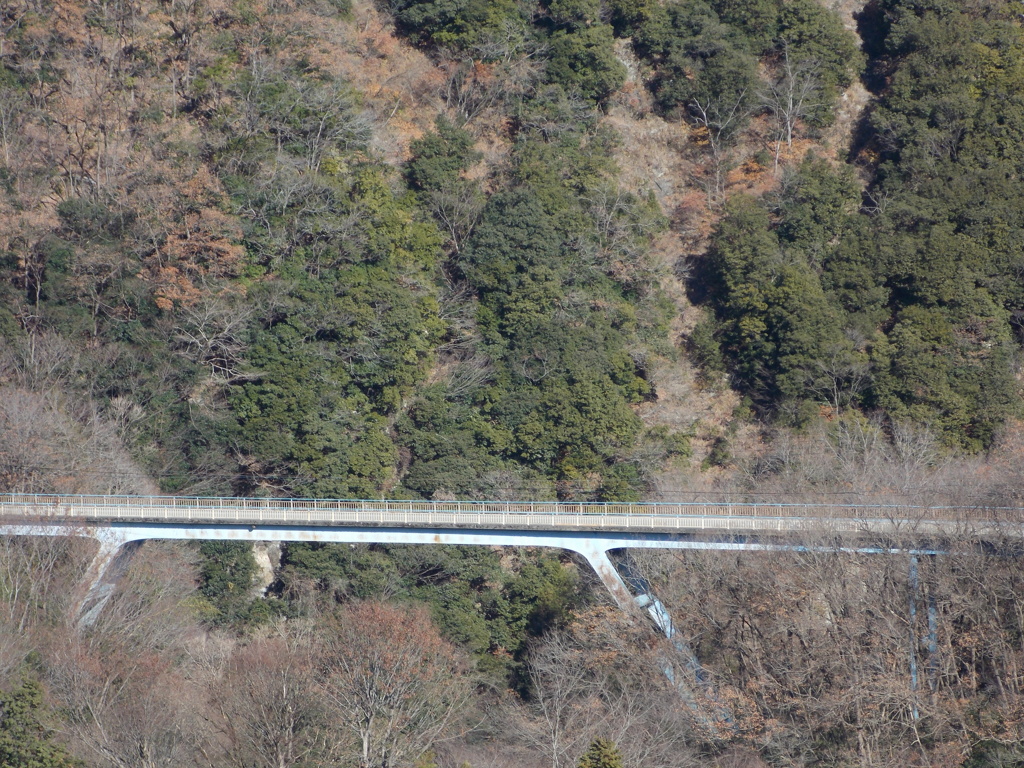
(513, 249)
(219, 254)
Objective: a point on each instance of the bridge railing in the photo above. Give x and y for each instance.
(725, 515)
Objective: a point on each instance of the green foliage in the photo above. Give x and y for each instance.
(720, 454)
(516, 233)
(703, 346)
(573, 425)
(551, 398)
(583, 60)
(806, 29)
(227, 573)
(703, 65)
(581, 57)
(950, 122)
(567, 386)
(340, 349)
(575, 14)
(454, 23)
(906, 307)
(935, 374)
(456, 450)
(299, 422)
(478, 603)
(851, 278)
(816, 208)
(25, 741)
(776, 323)
(757, 20)
(602, 753)
(439, 157)
(706, 55)
(812, 33)
(345, 572)
(627, 16)
(995, 754)
(92, 220)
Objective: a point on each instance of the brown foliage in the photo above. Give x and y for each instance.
(48, 445)
(603, 679)
(125, 707)
(396, 686)
(821, 643)
(268, 709)
(127, 697)
(200, 247)
(37, 580)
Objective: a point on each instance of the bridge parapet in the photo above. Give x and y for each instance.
(664, 517)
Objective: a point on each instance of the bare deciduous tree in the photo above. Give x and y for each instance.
(717, 120)
(14, 110)
(211, 332)
(37, 580)
(791, 95)
(566, 702)
(457, 208)
(270, 711)
(601, 679)
(47, 447)
(127, 706)
(391, 680)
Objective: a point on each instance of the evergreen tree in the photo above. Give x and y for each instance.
(25, 742)
(440, 156)
(602, 753)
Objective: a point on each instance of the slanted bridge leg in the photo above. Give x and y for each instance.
(101, 578)
(609, 575)
(719, 719)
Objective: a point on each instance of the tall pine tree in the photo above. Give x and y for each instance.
(602, 753)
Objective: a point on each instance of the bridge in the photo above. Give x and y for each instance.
(596, 517)
(592, 530)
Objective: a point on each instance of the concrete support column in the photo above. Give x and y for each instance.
(101, 578)
(605, 569)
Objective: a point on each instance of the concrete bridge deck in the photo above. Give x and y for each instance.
(592, 530)
(674, 517)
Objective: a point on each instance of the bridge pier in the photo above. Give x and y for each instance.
(914, 593)
(597, 556)
(101, 578)
(932, 633)
(933, 643)
(645, 600)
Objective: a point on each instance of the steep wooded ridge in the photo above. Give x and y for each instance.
(517, 250)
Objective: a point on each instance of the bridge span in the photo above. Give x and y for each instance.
(594, 517)
(592, 530)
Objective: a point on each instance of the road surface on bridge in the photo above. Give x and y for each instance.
(682, 517)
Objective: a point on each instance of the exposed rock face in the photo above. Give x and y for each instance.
(268, 559)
